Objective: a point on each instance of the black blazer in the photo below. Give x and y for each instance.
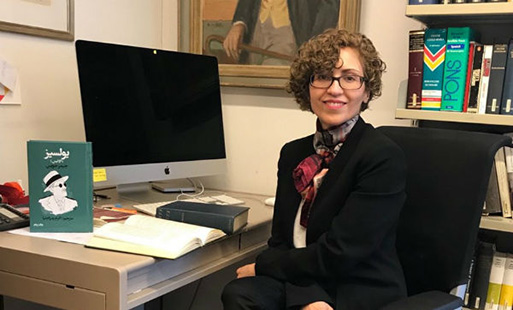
(350, 253)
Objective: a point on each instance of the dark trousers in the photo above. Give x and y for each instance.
(254, 293)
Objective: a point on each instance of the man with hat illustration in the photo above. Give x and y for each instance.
(58, 202)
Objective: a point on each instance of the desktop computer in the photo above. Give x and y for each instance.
(152, 116)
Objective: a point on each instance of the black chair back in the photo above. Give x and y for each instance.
(447, 180)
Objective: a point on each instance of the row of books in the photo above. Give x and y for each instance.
(450, 70)
(499, 197)
(490, 281)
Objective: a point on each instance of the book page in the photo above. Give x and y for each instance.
(172, 228)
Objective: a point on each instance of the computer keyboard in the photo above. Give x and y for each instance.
(151, 208)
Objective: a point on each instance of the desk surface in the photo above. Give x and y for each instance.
(71, 276)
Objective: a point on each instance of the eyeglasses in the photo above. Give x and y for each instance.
(348, 82)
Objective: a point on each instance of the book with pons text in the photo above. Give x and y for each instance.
(60, 186)
(147, 235)
(455, 68)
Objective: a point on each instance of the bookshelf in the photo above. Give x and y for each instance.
(493, 21)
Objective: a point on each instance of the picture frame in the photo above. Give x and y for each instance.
(193, 23)
(43, 18)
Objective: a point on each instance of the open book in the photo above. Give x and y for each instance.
(141, 234)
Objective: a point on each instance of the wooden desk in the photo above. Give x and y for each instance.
(70, 276)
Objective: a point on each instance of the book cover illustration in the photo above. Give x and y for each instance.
(432, 75)
(455, 69)
(415, 65)
(60, 186)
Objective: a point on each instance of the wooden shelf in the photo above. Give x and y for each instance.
(444, 116)
(497, 223)
(466, 12)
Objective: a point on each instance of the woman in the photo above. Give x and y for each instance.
(332, 244)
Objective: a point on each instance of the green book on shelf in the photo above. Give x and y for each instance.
(60, 186)
(455, 68)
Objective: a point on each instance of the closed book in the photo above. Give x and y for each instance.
(415, 65)
(503, 183)
(495, 282)
(468, 79)
(455, 69)
(486, 66)
(146, 235)
(60, 186)
(493, 101)
(506, 295)
(479, 291)
(225, 217)
(433, 71)
(493, 198)
(475, 78)
(507, 91)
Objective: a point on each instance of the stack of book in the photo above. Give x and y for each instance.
(490, 284)
(453, 71)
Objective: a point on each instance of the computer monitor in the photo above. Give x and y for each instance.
(151, 115)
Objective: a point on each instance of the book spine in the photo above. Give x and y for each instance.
(506, 295)
(497, 70)
(468, 79)
(197, 218)
(455, 70)
(413, 2)
(415, 65)
(475, 78)
(486, 251)
(502, 182)
(507, 92)
(495, 282)
(485, 78)
(433, 70)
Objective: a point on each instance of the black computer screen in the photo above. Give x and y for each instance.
(142, 105)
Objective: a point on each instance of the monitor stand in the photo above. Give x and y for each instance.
(147, 193)
(175, 186)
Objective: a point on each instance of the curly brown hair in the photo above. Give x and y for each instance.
(320, 55)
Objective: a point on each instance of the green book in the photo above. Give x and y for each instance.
(60, 186)
(455, 68)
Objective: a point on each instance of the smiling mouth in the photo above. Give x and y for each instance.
(331, 104)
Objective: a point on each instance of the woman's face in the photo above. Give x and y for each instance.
(334, 105)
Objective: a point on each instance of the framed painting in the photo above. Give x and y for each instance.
(255, 41)
(44, 18)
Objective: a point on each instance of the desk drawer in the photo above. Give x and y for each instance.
(50, 293)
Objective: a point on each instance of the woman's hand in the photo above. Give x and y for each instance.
(246, 271)
(318, 305)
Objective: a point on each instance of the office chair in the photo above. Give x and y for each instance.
(447, 180)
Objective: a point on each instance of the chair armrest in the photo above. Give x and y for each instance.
(432, 300)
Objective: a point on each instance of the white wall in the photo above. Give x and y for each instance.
(257, 121)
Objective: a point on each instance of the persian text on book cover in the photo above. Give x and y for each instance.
(60, 186)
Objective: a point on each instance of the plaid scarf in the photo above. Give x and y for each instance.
(309, 173)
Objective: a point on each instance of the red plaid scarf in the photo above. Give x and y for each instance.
(309, 173)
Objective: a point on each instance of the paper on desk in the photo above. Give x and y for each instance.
(79, 238)
(9, 88)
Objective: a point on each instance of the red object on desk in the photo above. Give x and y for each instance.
(13, 194)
